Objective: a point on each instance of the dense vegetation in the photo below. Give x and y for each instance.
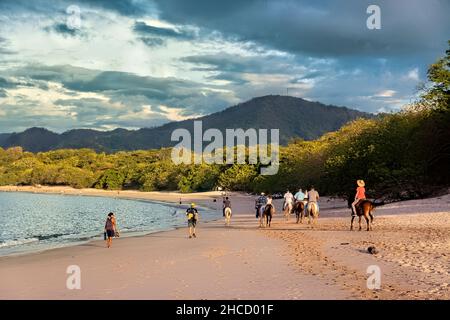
(402, 155)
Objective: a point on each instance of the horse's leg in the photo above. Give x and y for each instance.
(359, 221)
(351, 224)
(366, 216)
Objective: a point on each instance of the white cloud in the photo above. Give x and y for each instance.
(413, 74)
(386, 93)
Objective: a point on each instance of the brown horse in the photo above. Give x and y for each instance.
(267, 215)
(299, 210)
(364, 208)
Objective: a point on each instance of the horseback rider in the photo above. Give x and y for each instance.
(288, 199)
(360, 195)
(313, 196)
(260, 202)
(226, 204)
(300, 197)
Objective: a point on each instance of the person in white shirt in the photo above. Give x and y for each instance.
(288, 199)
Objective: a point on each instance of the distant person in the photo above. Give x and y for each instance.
(192, 217)
(269, 200)
(288, 199)
(313, 196)
(360, 195)
(260, 203)
(226, 204)
(301, 197)
(110, 229)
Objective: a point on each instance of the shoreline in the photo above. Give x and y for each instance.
(153, 197)
(242, 261)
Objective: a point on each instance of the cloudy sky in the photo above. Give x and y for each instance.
(136, 63)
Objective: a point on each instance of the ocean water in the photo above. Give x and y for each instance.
(33, 222)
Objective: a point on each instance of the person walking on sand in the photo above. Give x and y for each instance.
(110, 229)
(192, 217)
(360, 195)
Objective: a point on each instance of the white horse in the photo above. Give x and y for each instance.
(228, 214)
(287, 209)
(313, 212)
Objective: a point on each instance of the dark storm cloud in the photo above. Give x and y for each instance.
(322, 28)
(144, 29)
(156, 36)
(127, 87)
(237, 63)
(132, 8)
(65, 31)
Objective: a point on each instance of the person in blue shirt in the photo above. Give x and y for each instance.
(299, 196)
(260, 202)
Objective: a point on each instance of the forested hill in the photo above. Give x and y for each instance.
(295, 117)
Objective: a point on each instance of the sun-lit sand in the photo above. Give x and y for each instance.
(287, 261)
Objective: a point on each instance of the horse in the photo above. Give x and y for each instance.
(313, 212)
(287, 208)
(299, 210)
(228, 214)
(364, 208)
(269, 211)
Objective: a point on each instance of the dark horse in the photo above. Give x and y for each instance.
(267, 215)
(364, 208)
(299, 210)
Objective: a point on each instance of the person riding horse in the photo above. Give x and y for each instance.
(288, 204)
(299, 205)
(362, 207)
(260, 203)
(359, 197)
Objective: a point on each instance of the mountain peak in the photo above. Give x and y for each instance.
(294, 117)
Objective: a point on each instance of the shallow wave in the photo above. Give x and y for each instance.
(17, 242)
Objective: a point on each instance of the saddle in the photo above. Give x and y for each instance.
(358, 207)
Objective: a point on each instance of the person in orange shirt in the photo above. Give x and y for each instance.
(360, 195)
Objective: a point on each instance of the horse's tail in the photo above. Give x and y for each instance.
(312, 209)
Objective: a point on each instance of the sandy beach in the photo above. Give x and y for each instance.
(243, 261)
